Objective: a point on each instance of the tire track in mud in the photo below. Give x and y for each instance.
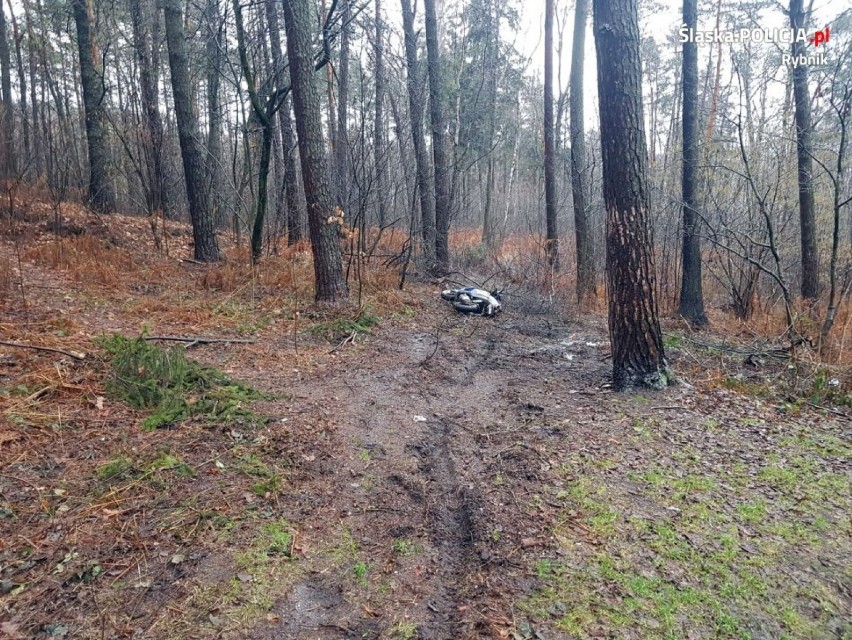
(425, 483)
(451, 511)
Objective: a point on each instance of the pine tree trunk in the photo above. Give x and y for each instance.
(804, 149)
(415, 112)
(143, 17)
(329, 89)
(330, 284)
(638, 358)
(194, 167)
(552, 234)
(493, 44)
(7, 114)
(379, 146)
(579, 189)
(264, 115)
(37, 151)
(22, 80)
(691, 296)
(214, 46)
(100, 190)
(439, 144)
(341, 135)
(295, 216)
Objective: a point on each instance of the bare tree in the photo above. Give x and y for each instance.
(552, 235)
(379, 150)
(804, 154)
(439, 143)
(7, 114)
(101, 196)
(415, 112)
(146, 46)
(341, 133)
(203, 223)
(691, 295)
(579, 189)
(281, 80)
(215, 33)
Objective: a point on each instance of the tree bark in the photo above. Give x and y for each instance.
(551, 246)
(194, 168)
(691, 304)
(341, 136)
(295, 216)
(7, 114)
(492, 39)
(143, 18)
(214, 46)
(804, 149)
(582, 233)
(22, 80)
(330, 285)
(379, 146)
(37, 151)
(439, 144)
(638, 358)
(101, 195)
(329, 86)
(415, 112)
(264, 115)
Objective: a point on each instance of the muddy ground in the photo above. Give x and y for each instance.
(440, 477)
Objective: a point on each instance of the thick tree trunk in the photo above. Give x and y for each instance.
(439, 144)
(582, 232)
(804, 149)
(691, 296)
(551, 246)
(101, 196)
(143, 18)
(379, 146)
(194, 168)
(323, 221)
(415, 112)
(638, 358)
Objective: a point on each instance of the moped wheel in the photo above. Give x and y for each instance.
(467, 307)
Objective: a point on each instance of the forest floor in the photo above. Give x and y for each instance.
(408, 472)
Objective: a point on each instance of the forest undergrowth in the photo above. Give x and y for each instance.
(393, 469)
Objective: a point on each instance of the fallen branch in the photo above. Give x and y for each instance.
(193, 340)
(19, 345)
(346, 340)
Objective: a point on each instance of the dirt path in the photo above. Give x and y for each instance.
(428, 436)
(444, 478)
(491, 486)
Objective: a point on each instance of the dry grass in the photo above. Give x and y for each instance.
(85, 259)
(114, 258)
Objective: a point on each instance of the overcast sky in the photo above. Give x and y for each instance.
(663, 25)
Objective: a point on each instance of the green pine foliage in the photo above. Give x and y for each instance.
(172, 386)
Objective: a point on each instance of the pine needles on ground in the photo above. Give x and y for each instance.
(175, 387)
